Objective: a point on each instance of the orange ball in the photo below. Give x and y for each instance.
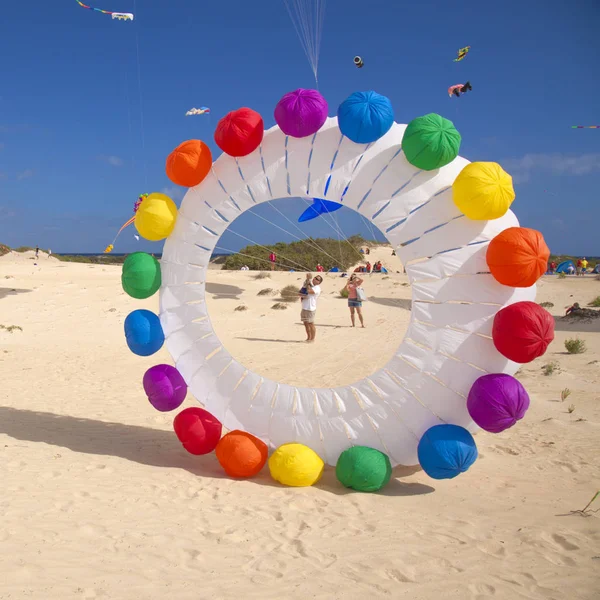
(241, 454)
(518, 257)
(189, 163)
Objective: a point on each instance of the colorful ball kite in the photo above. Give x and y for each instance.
(444, 217)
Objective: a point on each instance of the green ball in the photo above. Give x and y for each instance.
(430, 142)
(363, 469)
(141, 275)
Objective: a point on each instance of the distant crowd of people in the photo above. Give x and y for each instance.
(579, 268)
(368, 268)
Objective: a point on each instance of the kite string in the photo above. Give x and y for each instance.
(139, 78)
(310, 242)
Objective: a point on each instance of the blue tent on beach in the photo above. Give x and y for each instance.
(564, 266)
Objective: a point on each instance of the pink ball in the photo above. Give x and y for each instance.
(301, 113)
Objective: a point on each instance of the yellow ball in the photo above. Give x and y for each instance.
(483, 191)
(296, 465)
(156, 216)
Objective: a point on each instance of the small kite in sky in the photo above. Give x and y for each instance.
(457, 90)
(585, 126)
(359, 62)
(461, 53)
(115, 15)
(197, 111)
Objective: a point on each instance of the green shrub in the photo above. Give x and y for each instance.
(266, 292)
(562, 275)
(595, 302)
(4, 249)
(289, 293)
(575, 346)
(550, 368)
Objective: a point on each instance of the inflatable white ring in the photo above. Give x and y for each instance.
(448, 344)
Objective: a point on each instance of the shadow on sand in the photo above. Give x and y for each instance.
(404, 303)
(222, 291)
(151, 447)
(4, 292)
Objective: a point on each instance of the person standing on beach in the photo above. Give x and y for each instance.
(579, 265)
(272, 260)
(309, 305)
(354, 303)
(37, 251)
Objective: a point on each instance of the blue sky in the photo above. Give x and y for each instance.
(77, 146)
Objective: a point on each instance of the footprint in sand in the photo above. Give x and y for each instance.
(564, 543)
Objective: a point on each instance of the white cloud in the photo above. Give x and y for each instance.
(113, 161)
(174, 192)
(26, 174)
(557, 164)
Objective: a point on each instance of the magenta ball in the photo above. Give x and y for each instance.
(301, 113)
(165, 387)
(496, 402)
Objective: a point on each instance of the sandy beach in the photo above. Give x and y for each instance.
(101, 501)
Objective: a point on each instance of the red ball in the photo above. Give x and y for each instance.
(522, 331)
(197, 430)
(240, 132)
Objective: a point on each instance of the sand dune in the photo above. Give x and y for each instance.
(101, 501)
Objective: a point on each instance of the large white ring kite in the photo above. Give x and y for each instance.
(448, 344)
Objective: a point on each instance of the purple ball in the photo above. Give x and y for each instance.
(165, 387)
(301, 113)
(496, 402)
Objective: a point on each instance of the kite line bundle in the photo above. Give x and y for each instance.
(472, 269)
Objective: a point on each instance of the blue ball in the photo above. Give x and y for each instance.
(446, 451)
(364, 117)
(143, 332)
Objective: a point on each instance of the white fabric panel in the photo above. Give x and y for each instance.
(443, 402)
(394, 407)
(273, 154)
(319, 152)
(227, 172)
(416, 191)
(468, 260)
(208, 190)
(327, 144)
(417, 417)
(462, 288)
(306, 430)
(177, 274)
(474, 349)
(176, 295)
(438, 210)
(455, 234)
(181, 340)
(457, 375)
(474, 318)
(374, 159)
(348, 155)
